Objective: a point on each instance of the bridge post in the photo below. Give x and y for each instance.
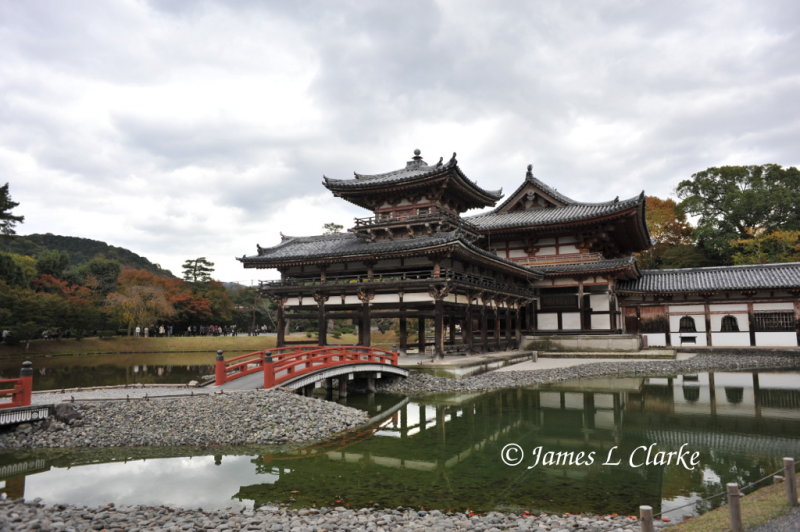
(342, 386)
(26, 379)
(269, 372)
(219, 373)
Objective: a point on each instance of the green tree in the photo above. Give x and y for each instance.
(99, 274)
(8, 220)
(52, 262)
(10, 271)
(767, 247)
(198, 270)
(332, 228)
(731, 201)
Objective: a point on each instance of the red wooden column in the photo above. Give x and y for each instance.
(269, 372)
(26, 378)
(219, 370)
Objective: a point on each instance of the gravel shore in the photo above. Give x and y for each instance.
(421, 383)
(242, 418)
(18, 515)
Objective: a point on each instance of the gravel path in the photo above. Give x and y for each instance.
(16, 515)
(420, 383)
(254, 417)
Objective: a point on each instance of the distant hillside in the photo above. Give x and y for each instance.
(79, 250)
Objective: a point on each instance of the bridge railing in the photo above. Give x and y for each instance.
(285, 366)
(281, 364)
(20, 389)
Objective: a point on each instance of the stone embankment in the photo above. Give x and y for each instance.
(18, 516)
(420, 383)
(242, 418)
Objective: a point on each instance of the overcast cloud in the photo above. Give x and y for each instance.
(186, 129)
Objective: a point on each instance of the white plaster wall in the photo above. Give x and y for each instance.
(686, 309)
(550, 399)
(599, 302)
(730, 338)
(545, 241)
(546, 250)
(386, 298)
(517, 253)
(571, 320)
(728, 307)
(776, 339)
(563, 250)
(351, 300)
(573, 400)
(700, 338)
(600, 322)
(548, 321)
(741, 320)
(777, 305)
(416, 296)
(655, 339)
(699, 322)
(292, 301)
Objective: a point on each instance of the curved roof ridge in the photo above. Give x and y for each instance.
(721, 268)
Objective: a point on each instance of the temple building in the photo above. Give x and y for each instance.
(538, 263)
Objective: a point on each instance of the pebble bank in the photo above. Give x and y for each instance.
(20, 515)
(242, 418)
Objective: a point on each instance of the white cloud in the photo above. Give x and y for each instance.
(200, 129)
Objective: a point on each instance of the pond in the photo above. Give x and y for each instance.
(80, 371)
(446, 452)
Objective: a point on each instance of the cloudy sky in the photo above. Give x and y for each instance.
(181, 129)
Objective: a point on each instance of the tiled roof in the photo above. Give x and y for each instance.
(415, 170)
(554, 215)
(749, 277)
(349, 245)
(584, 267)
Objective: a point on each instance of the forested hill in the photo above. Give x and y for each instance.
(79, 250)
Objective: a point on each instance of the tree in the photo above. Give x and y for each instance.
(668, 228)
(332, 228)
(140, 299)
(8, 220)
(733, 201)
(197, 270)
(767, 247)
(99, 274)
(52, 262)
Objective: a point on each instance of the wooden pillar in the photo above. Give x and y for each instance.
(581, 312)
(438, 327)
(468, 337)
(612, 305)
(403, 334)
(508, 326)
(280, 319)
(365, 329)
(484, 328)
(707, 312)
(322, 320)
(451, 322)
(517, 329)
(750, 324)
(421, 335)
(497, 326)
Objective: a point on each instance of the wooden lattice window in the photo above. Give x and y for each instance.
(729, 324)
(687, 324)
(773, 321)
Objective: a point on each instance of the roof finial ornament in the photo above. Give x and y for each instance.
(529, 173)
(440, 162)
(417, 156)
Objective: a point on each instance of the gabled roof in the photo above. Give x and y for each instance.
(416, 173)
(532, 186)
(718, 278)
(335, 247)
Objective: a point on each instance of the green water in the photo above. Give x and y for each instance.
(444, 452)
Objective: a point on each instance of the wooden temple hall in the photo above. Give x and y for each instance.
(539, 261)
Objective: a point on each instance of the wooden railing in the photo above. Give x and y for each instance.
(20, 389)
(283, 364)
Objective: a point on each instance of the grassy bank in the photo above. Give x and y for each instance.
(176, 344)
(758, 507)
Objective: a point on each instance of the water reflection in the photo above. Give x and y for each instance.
(444, 452)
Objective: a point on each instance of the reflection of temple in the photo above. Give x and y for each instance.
(452, 448)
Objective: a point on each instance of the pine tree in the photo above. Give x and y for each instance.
(7, 220)
(197, 270)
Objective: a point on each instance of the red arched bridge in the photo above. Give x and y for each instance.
(297, 366)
